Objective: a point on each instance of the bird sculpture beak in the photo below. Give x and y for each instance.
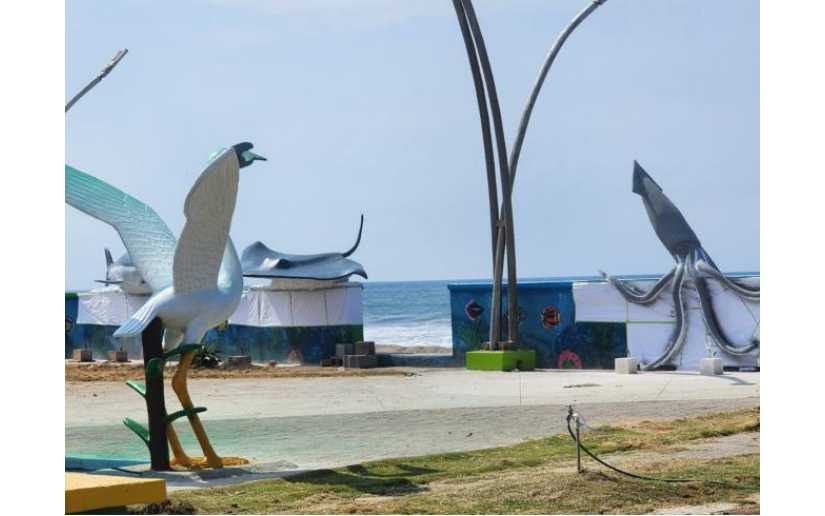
(250, 156)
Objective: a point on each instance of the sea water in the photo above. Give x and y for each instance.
(407, 313)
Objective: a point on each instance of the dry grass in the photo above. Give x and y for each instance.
(114, 372)
(533, 477)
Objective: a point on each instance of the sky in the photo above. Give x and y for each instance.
(368, 107)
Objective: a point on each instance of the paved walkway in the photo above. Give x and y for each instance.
(326, 422)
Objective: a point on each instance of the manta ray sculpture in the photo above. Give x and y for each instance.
(123, 273)
(196, 280)
(259, 261)
(692, 264)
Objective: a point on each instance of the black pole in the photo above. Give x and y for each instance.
(152, 338)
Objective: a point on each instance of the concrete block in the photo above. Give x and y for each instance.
(347, 348)
(711, 366)
(82, 355)
(360, 361)
(364, 348)
(627, 366)
(238, 362)
(118, 356)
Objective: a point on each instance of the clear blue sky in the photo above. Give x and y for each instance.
(368, 107)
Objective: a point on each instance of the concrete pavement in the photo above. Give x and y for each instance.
(310, 423)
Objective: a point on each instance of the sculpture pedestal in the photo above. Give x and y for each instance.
(627, 366)
(485, 360)
(711, 366)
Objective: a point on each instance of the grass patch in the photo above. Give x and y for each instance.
(532, 477)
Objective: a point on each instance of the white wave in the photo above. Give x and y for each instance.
(410, 335)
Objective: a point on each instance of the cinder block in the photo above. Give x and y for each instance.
(364, 348)
(82, 355)
(360, 361)
(238, 362)
(627, 366)
(331, 362)
(711, 366)
(342, 350)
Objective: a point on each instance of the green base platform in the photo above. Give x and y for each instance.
(523, 359)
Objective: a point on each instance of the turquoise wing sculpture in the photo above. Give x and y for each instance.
(148, 240)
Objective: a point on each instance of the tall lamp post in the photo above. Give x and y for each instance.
(99, 77)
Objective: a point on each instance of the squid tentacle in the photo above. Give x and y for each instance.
(677, 338)
(634, 294)
(712, 324)
(742, 290)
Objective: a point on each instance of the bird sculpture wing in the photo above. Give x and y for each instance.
(147, 238)
(208, 209)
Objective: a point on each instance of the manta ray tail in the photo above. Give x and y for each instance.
(357, 240)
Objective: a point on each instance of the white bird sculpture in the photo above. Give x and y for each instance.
(196, 280)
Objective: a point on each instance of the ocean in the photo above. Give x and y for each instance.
(407, 313)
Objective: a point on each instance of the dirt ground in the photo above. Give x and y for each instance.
(104, 371)
(120, 372)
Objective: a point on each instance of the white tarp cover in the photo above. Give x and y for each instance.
(649, 327)
(339, 304)
(107, 306)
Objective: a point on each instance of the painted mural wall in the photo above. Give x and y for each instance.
(547, 315)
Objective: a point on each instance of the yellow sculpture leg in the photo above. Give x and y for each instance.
(179, 386)
(181, 458)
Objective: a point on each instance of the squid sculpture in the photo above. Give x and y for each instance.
(693, 264)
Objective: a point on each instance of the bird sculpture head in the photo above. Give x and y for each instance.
(245, 155)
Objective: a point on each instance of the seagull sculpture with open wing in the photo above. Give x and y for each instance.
(196, 279)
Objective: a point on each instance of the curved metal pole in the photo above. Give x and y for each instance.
(525, 120)
(504, 174)
(492, 190)
(531, 100)
(103, 73)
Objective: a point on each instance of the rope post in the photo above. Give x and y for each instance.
(578, 446)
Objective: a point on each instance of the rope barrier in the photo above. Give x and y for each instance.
(574, 416)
